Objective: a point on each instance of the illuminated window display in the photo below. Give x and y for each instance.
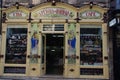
(16, 45)
(91, 46)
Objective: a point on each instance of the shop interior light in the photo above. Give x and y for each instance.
(53, 50)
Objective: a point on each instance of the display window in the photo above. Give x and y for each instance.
(91, 53)
(16, 45)
(91, 46)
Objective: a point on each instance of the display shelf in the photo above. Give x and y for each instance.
(91, 47)
(16, 48)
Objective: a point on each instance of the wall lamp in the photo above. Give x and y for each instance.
(4, 17)
(91, 5)
(105, 17)
(77, 19)
(53, 3)
(29, 19)
(17, 5)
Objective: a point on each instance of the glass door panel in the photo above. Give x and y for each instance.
(16, 45)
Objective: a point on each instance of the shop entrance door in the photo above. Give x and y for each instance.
(54, 54)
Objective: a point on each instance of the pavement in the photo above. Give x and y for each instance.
(41, 78)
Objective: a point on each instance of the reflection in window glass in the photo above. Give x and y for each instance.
(16, 45)
(91, 46)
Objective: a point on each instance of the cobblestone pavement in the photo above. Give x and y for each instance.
(40, 78)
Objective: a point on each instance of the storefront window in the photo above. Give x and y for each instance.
(91, 46)
(16, 45)
(72, 43)
(34, 43)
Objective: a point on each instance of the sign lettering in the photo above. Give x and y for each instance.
(17, 14)
(53, 13)
(90, 14)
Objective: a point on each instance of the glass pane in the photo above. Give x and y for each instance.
(15, 70)
(48, 27)
(16, 45)
(59, 27)
(91, 46)
(53, 27)
(71, 43)
(34, 43)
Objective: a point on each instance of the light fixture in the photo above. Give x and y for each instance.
(53, 3)
(4, 17)
(91, 5)
(29, 19)
(17, 5)
(53, 50)
(105, 17)
(77, 19)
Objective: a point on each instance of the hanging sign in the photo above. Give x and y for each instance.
(112, 22)
(17, 14)
(53, 13)
(90, 14)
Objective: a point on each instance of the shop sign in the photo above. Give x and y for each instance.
(90, 14)
(17, 14)
(112, 22)
(53, 13)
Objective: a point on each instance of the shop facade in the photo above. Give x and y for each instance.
(55, 40)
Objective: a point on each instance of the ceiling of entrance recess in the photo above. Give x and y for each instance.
(77, 3)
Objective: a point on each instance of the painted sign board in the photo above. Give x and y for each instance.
(90, 14)
(53, 12)
(17, 14)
